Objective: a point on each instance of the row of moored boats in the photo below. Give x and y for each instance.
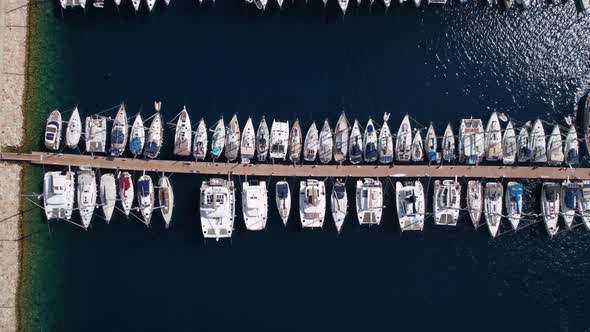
(151, 4)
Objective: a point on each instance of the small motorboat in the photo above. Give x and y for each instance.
(493, 206)
(355, 148)
(53, 131)
(555, 147)
(524, 146)
(339, 204)
(572, 147)
(283, 200)
(431, 144)
(154, 138)
(262, 140)
(232, 139)
(447, 202)
(248, 144)
(471, 141)
(166, 199)
(370, 142)
(584, 203)
(279, 140)
(385, 142)
(417, 148)
(493, 139)
(326, 143)
(538, 143)
(550, 199)
(95, 134)
(569, 197)
(254, 205)
(410, 203)
(108, 195)
(509, 145)
(74, 130)
(183, 135)
(218, 139)
(145, 197)
(312, 203)
(86, 195)
(119, 132)
(295, 142)
(126, 193)
(448, 144)
(137, 136)
(513, 203)
(200, 143)
(474, 201)
(311, 143)
(403, 142)
(341, 136)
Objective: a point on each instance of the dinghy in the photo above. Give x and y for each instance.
(524, 146)
(95, 134)
(409, 199)
(447, 202)
(262, 140)
(431, 144)
(137, 137)
(471, 141)
(200, 144)
(295, 142)
(403, 147)
(572, 147)
(385, 142)
(53, 131)
(165, 199)
(279, 140)
(126, 193)
(448, 145)
(58, 195)
(474, 201)
(283, 200)
(369, 201)
(417, 148)
(493, 206)
(119, 133)
(154, 138)
(341, 136)
(555, 147)
(232, 139)
(326, 143)
(370, 142)
(86, 195)
(254, 205)
(108, 195)
(569, 197)
(74, 130)
(311, 143)
(584, 203)
(217, 208)
(538, 143)
(183, 135)
(248, 144)
(513, 203)
(493, 139)
(145, 197)
(339, 204)
(355, 148)
(218, 139)
(550, 199)
(509, 145)
(312, 203)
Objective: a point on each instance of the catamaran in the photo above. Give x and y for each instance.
(339, 204)
(509, 145)
(145, 197)
(166, 199)
(119, 133)
(538, 144)
(572, 147)
(96, 134)
(417, 147)
(326, 143)
(248, 144)
(126, 193)
(200, 143)
(108, 195)
(524, 146)
(448, 144)
(447, 202)
(154, 138)
(471, 141)
(255, 205)
(370, 142)
(283, 200)
(355, 148)
(369, 201)
(262, 140)
(58, 195)
(341, 137)
(137, 137)
(53, 131)
(312, 203)
(584, 203)
(410, 205)
(493, 206)
(295, 142)
(311, 143)
(550, 199)
(232, 139)
(403, 148)
(279, 140)
(555, 147)
(493, 138)
(218, 139)
(183, 135)
(385, 142)
(431, 144)
(569, 197)
(217, 208)
(86, 195)
(74, 130)
(474, 201)
(513, 203)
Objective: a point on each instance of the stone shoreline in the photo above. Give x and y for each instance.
(13, 38)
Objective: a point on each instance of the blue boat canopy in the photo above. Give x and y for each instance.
(118, 136)
(152, 147)
(340, 191)
(570, 198)
(371, 151)
(143, 186)
(283, 190)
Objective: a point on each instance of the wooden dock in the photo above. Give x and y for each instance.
(305, 170)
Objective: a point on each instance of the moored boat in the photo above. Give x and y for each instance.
(550, 199)
(53, 131)
(119, 133)
(86, 195)
(95, 134)
(255, 205)
(555, 147)
(283, 200)
(108, 195)
(326, 143)
(137, 136)
(200, 143)
(355, 148)
(74, 130)
(431, 145)
(312, 142)
(369, 201)
(341, 138)
(136, 4)
(154, 138)
(370, 143)
(403, 141)
(410, 203)
(279, 140)
(126, 192)
(513, 203)
(474, 201)
(447, 202)
(165, 199)
(145, 197)
(569, 197)
(218, 139)
(217, 208)
(262, 140)
(492, 203)
(572, 147)
(339, 204)
(493, 139)
(295, 142)
(509, 145)
(151, 4)
(448, 144)
(524, 146)
(248, 144)
(385, 144)
(58, 195)
(343, 6)
(538, 144)
(584, 202)
(417, 148)
(183, 134)
(232, 139)
(471, 141)
(312, 203)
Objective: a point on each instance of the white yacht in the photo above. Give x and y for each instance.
(474, 201)
(326, 143)
(569, 197)
(200, 143)
(509, 145)
(154, 138)
(108, 195)
(145, 197)
(471, 141)
(523, 142)
(183, 135)
(555, 147)
(165, 199)
(447, 202)
(493, 206)
(58, 195)
(218, 139)
(74, 130)
(137, 136)
(385, 142)
(248, 144)
(283, 200)
(217, 208)
(431, 144)
(86, 195)
(255, 205)
(341, 136)
(572, 147)
(355, 147)
(417, 147)
(410, 205)
(279, 140)
(295, 142)
(403, 142)
(369, 201)
(370, 142)
(95, 134)
(232, 139)
(262, 140)
(538, 144)
(312, 142)
(339, 204)
(119, 133)
(448, 144)
(513, 203)
(584, 203)
(126, 192)
(493, 139)
(53, 131)
(550, 199)
(312, 203)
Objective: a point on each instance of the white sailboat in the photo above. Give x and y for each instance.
(572, 147)
(417, 148)
(326, 143)
(493, 139)
(339, 204)
(448, 144)
(295, 142)
(403, 148)
(385, 142)
(218, 139)
(493, 206)
(343, 6)
(474, 201)
(255, 205)
(584, 202)
(95, 134)
(524, 146)
(155, 137)
(538, 144)
(370, 150)
(513, 203)
(569, 197)
(355, 148)
(550, 198)
(341, 138)
(509, 145)
(183, 135)
(166, 199)
(279, 140)
(145, 197)
(471, 141)
(232, 139)
(555, 147)
(151, 4)
(58, 195)
(217, 208)
(369, 201)
(108, 195)
(312, 203)
(200, 143)
(262, 140)
(410, 203)
(137, 136)
(431, 144)
(86, 195)
(136, 4)
(248, 144)
(283, 200)
(53, 130)
(311, 144)
(119, 133)
(126, 192)
(447, 202)
(74, 130)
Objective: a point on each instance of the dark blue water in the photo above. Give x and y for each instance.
(437, 64)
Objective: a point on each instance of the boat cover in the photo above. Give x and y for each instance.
(135, 145)
(118, 136)
(143, 186)
(283, 190)
(152, 147)
(124, 183)
(340, 191)
(371, 151)
(570, 198)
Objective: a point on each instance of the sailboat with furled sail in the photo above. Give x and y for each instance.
(572, 147)
(341, 137)
(355, 145)
(74, 130)
(474, 201)
(417, 148)
(493, 138)
(403, 150)
(493, 206)
(166, 199)
(295, 142)
(145, 197)
(262, 140)
(155, 135)
(200, 143)
(183, 135)
(385, 142)
(431, 144)
(326, 143)
(137, 137)
(247, 146)
(232, 139)
(86, 195)
(370, 142)
(509, 145)
(448, 144)
(555, 147)
(339, 204)
(538, 143)
(524, 153)
(119, 132)
(311, 143)
(218, 139)
(569, 197)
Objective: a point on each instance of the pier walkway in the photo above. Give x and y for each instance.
(305, 170)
